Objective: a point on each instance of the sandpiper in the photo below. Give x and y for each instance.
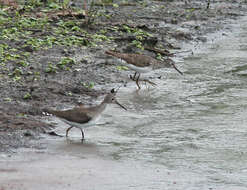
(140, 64)
(82, 117)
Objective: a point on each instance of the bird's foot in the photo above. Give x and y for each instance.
(82, 140)
(150, 82)
(144, 80)
(132, 77)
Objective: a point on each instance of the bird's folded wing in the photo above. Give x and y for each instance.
(74, 115)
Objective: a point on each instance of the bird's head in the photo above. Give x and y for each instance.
(110, 98)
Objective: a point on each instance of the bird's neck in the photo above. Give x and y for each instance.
(102, 107)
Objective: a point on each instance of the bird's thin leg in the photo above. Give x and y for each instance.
(133, 77)
(82, 134)
(174, 66)
(148, 81)
(137, 81)
(67, 131)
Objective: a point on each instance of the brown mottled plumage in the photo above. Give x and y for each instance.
(141, 63)
(134, 59)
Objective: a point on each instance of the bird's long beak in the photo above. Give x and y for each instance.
(174, 66)
(120, 105)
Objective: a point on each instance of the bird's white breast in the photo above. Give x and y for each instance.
(92, 122)
(135, 68)
(139, 69)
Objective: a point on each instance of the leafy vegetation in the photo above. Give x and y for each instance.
(27, 96)
(89, 85)
(34, 28)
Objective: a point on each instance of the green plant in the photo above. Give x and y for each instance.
(88, 84)
(51, 68)
(22, 63)
(69, 94)
(159, 57)
(21, 115)
(27, 96)
(120, 68)
(100, 37)
(66, 63)
(17, 78)
(115, 5)
(65, 4)
(54, 5)
(138, 44)
(16, 72)
(7, 99)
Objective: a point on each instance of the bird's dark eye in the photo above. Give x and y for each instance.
(112, 99)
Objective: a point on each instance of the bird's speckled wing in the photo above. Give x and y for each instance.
(144, 60)
(136, 59)
(73, 115)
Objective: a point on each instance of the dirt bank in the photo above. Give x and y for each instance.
(54, 58)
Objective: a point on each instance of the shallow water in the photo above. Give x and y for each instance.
(188, 133)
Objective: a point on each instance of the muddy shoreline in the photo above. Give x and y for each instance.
(171, 25)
